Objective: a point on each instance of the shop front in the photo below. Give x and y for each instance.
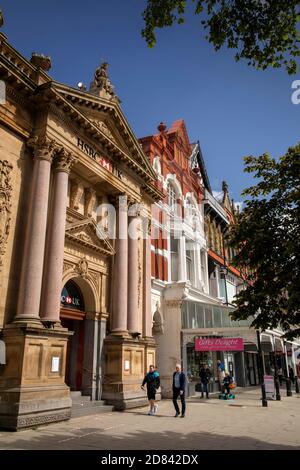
(208, 350)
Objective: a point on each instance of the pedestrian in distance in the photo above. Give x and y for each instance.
(152, 381)
(280, 375)
(227, 381)
(221, 373)
(292, 374)
(179, 382)
(205, 376)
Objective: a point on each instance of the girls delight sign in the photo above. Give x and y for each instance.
(219, 344)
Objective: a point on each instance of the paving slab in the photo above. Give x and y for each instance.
(209, 424)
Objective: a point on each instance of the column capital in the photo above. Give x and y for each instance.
(63, 159)
(121, 202)
(42, 146)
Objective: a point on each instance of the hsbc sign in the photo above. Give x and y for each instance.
(94, 154)
(70, 301)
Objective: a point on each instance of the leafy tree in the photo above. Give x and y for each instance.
(267, 241)
(262, 31)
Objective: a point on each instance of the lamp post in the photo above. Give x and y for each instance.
(261, 368)
(287, 380)
(276, 381)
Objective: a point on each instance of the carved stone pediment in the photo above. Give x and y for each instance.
(86, 233)
(103, 127)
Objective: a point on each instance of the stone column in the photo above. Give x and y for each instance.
(147, 313)
(133, 275)
(119, 317)
(181, 259)
(50, 306)
(32, 268)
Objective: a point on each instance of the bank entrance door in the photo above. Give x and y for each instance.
(72, 316)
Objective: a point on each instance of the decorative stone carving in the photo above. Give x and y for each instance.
(67, 266)
(63, 160)
(5, 204)
(42, 146)
(84, 237)
(90, 199)
(86, 232)
(82, 267)
(101, 85)
(77, 190)
(103, 128)
(96, 279)
(40, 60)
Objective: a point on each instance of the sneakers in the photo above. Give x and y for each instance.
(176, 414)
(150, 413)
(182, 416)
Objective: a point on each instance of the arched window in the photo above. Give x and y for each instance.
(71, 297)
(172, 197)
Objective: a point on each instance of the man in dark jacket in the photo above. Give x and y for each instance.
(153, 383)
(179, 381)
(205, 375)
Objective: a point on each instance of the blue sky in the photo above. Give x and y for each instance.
(233, 110)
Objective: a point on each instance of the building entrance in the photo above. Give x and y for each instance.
(72, 315)
(252, 370)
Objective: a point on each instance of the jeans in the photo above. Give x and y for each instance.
(176, 393)
(205, 388)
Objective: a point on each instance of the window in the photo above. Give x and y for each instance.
(217, 317)
(189, 266)
(208, 317)
(172, 198)
(174, 258)
(202, 257)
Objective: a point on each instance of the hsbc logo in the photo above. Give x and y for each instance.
(70, 300)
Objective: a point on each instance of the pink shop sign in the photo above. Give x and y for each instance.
(219, 344)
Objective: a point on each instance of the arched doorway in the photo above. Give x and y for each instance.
(72, 315)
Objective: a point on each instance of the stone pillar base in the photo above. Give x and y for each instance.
(126, 362)
(32, 383)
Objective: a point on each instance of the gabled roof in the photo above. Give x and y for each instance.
(200, 159)
(178, 128)
(79, 99)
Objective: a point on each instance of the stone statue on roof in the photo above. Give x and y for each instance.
(101, 85)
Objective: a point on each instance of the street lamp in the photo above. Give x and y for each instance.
(261, 368)
(276, 381)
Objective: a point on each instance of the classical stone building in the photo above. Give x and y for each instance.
(75, 303)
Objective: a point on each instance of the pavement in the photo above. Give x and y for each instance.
(209, 424)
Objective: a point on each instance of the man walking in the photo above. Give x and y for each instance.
(205, 375)
(179, 381)
(153, 383)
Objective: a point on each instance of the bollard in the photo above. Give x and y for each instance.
(277, 388)
(288, 387)
(296, 385)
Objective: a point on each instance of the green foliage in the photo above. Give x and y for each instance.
(264, 32)
(267, 241)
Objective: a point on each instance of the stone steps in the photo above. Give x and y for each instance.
(83, 406)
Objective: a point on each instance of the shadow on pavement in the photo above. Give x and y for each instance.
(99, 439)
